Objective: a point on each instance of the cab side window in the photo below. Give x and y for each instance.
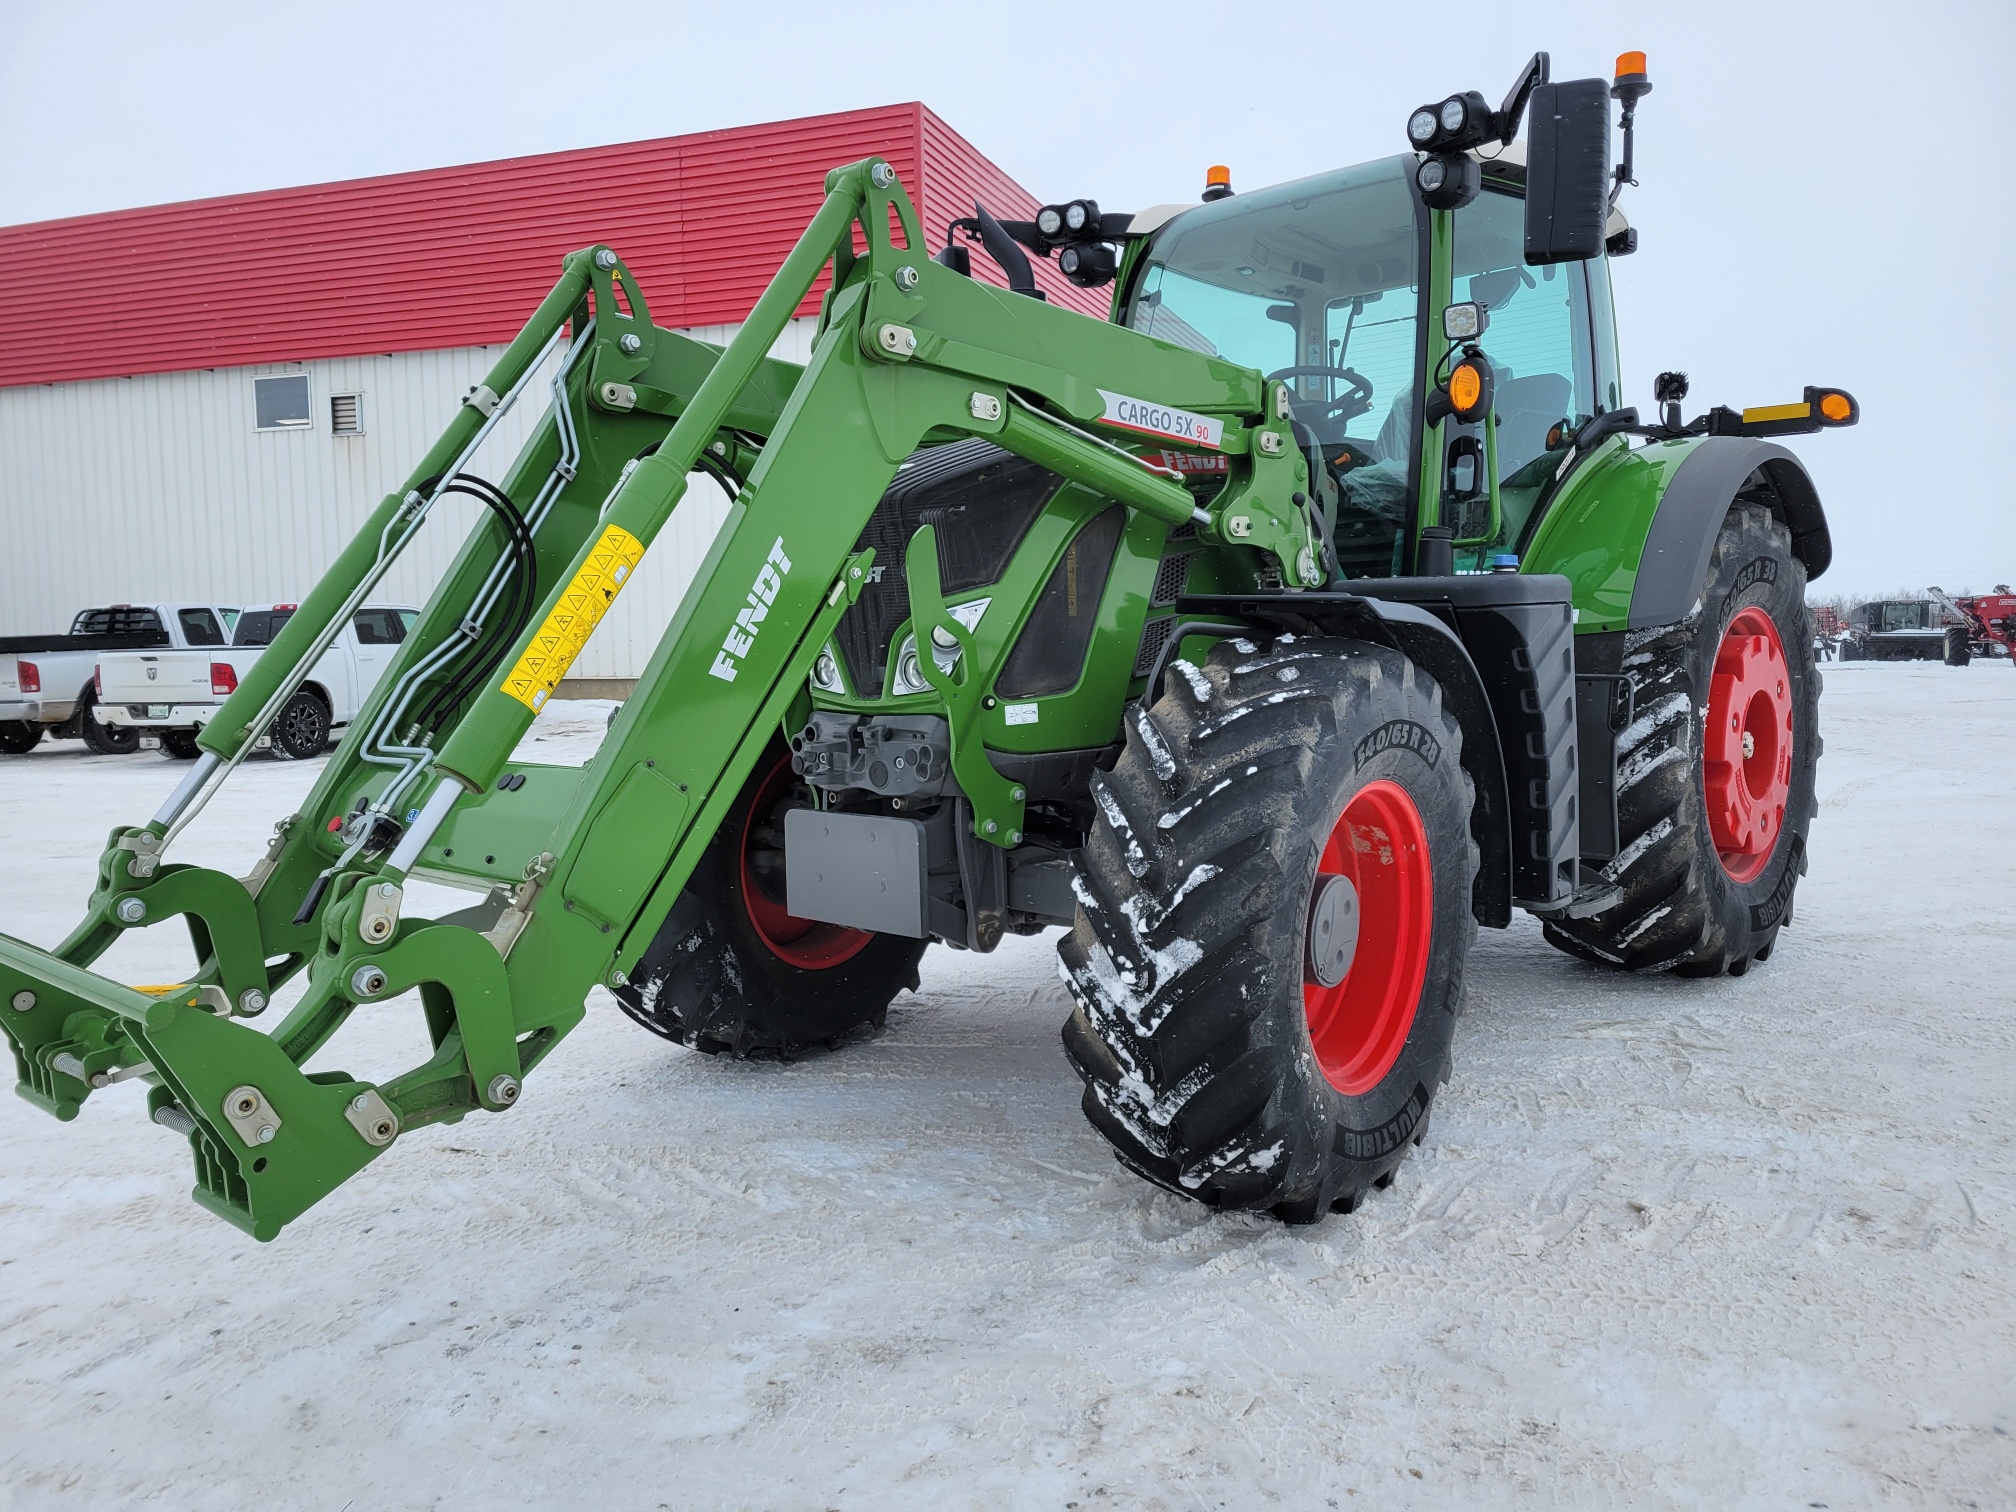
(1541, 345)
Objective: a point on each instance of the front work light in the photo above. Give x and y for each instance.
(1076, 214)
(1049, 220)
(1088, 264)
(1421, 126)
(1449, 181)
(1452, 114)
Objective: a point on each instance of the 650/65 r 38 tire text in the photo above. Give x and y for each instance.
(731, 969)
(1715, 774)
(1274, 916)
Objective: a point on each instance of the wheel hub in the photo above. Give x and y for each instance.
(1746, 765)
(1371, 922)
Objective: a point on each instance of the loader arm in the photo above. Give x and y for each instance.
(576, 867)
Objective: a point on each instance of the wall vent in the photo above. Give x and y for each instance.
(346, 414)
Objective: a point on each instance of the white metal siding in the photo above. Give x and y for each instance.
(133, 490)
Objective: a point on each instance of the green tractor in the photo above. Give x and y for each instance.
(1324, 604)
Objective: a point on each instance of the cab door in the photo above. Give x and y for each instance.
(1549, 373)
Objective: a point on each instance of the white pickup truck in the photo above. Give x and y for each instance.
(169, 694)
(47, 681)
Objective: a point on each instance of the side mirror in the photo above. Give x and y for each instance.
(1567, 171)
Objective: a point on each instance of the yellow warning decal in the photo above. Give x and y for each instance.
(1776, 412)
(582, 604)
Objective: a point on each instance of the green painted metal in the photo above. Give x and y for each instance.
(1594, 530)
(577, 867)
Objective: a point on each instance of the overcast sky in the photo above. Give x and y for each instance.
(1819, 183)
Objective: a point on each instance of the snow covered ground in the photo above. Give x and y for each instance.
(1733, 1243)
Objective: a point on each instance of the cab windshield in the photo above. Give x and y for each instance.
(1316, 282)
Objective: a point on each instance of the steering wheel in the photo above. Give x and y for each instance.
(1355, 400)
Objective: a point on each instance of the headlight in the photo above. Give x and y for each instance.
(1049, 221)
(826, 673)
(1452, 114)
(1431, 174)
(1421, 126)
(909, 675)
(1074, 215)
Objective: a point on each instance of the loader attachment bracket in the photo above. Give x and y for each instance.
(997, 803)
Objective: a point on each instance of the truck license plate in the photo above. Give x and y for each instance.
(157, 711)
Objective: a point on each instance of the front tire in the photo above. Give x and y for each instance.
(732, 970)
(1225, 1056)
(1958, 653)
(1716, 773)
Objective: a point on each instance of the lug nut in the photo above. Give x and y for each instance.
(131, 910)
(367, 981)
(504, 1090)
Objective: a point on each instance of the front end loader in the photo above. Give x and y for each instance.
(1268, 637)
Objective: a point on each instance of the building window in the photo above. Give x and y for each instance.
(346, 414)
(282, 403)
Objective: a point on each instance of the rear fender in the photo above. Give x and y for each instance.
(1719, 472)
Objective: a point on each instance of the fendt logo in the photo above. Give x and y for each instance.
(749, 621)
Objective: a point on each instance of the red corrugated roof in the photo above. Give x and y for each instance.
(453, 257)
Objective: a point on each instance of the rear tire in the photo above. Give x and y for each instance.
(18, 737)
(1958, 653)
(1215, 1061)
(731, 971)
(180, 745)
(300, 730)
(106, 739)
(1708, 884)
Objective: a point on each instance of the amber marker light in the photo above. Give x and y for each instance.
(1631, 65)
(1466, 387)
(1217, 182)
(1836, 407)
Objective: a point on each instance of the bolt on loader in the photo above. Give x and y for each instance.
(1322, 605)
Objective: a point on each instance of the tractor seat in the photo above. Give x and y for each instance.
(1527, 409)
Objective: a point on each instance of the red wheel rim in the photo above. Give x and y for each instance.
(1746, 744)
(805, 943)
(1359, 1026)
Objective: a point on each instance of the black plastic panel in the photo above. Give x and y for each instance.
(982, 500)
(1049, 654)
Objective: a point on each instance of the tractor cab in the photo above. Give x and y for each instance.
(1335, 284)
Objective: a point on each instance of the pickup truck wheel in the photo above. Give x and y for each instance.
(1715, 776)
(731, 969)
(18, 737)
(302, 729)
(1273, 922)
(107, 739)
(180, 745)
